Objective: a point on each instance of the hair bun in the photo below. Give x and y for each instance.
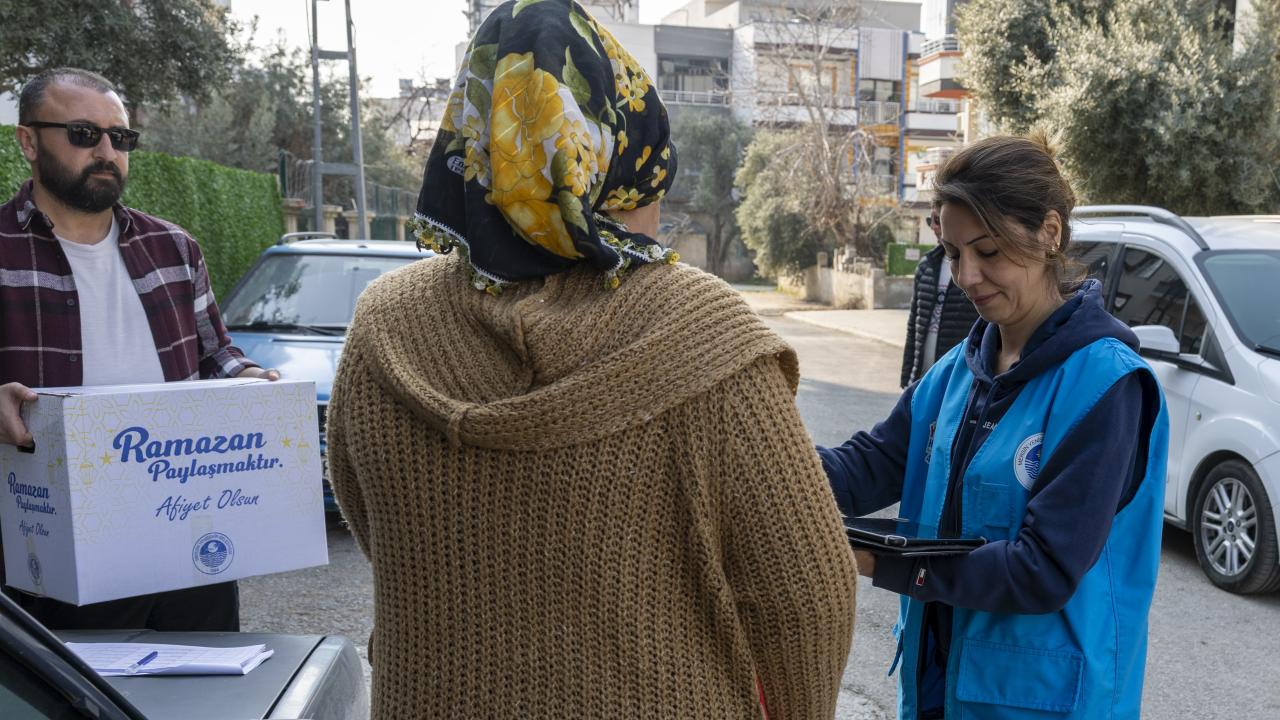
(1049, 142)
(1046, 140)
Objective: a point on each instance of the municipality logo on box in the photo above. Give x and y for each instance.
(213, 553)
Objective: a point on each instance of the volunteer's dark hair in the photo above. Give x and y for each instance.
(33, 92)
(1011, 183)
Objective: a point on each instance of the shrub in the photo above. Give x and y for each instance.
(234, 214)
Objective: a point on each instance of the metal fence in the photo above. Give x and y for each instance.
(945, 44)
(879, 113)
(695, 97)
(295, 176)
(827, 99)
(296, 182)
(935, 106)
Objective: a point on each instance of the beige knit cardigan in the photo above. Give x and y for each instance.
(584, 503)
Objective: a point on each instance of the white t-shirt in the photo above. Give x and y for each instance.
(116, 339)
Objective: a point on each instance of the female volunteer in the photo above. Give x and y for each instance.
(1044, 433)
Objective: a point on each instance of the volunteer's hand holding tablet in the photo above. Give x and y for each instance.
(895, 536)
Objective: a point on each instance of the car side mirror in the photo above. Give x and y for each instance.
(1157, 340)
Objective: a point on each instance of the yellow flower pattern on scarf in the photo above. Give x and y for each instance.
(622, 199)
(452, 112)
(527, 111)
(581, 164)
(632, 81)
(550, 124)
(476, 163)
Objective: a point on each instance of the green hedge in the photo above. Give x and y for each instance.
(897, 262)
(13, 167)
(234, 214)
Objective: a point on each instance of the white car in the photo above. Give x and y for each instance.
(1203, 296)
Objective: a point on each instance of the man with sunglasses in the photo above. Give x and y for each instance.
(95, 293)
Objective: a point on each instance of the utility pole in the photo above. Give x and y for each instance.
(320, 168)
(475, 14)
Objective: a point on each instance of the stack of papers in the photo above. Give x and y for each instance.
(117, 659)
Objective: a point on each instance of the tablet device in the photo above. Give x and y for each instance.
(896, 536)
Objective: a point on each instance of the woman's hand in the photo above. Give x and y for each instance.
(256, 372)
(12, 429)
(866, 562)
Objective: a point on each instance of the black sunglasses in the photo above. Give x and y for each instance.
(86, 134)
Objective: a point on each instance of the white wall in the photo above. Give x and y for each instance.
(742, 75)
(638, 40)
(1245, 13)
(705, 13)
(8, 109)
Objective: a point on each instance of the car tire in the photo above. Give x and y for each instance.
(1234, 530)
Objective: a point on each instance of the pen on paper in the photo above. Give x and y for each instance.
(134, 667)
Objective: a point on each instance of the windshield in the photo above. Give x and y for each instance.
(304, 292)
(1245, 283)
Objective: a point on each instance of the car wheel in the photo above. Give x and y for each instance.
(1234, 530)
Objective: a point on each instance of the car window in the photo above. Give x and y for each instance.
(301, 289)
(1150, 292)
(1245, 283)
(1095, 256)
(25, 696)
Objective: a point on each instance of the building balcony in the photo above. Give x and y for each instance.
(793, 99)
(939, 107)
(874, 185)
(940, 70)
(775, 111)
(932, 123)
(879, 113)
(695, 97)
(940, 45)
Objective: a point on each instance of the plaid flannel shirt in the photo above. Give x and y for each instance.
(39, 307)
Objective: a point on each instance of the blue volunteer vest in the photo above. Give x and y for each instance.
(1086, 660)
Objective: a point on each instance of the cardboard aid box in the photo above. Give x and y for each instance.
(136, 489)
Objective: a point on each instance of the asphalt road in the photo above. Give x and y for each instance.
(1212, 655)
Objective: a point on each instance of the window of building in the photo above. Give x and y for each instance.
(882, 160)
(879, 90)
(1150, 292)
(802, 75)
(681, 74)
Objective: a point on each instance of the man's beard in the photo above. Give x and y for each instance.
(80, 191)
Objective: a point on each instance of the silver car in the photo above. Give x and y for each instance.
(309, 676)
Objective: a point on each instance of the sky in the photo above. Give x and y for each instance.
(394, 38)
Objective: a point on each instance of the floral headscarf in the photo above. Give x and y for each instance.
(550, 123)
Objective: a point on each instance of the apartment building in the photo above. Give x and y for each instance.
(749, 55)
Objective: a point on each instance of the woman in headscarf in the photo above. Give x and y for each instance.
(577, 467)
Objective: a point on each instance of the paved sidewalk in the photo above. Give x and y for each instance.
(769, 301)
(887, 326)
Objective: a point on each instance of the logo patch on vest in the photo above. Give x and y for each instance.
(1026, 462)
(928, 446)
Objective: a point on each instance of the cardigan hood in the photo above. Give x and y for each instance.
(558, 361)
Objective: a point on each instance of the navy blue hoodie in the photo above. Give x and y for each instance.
(1069, 509)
